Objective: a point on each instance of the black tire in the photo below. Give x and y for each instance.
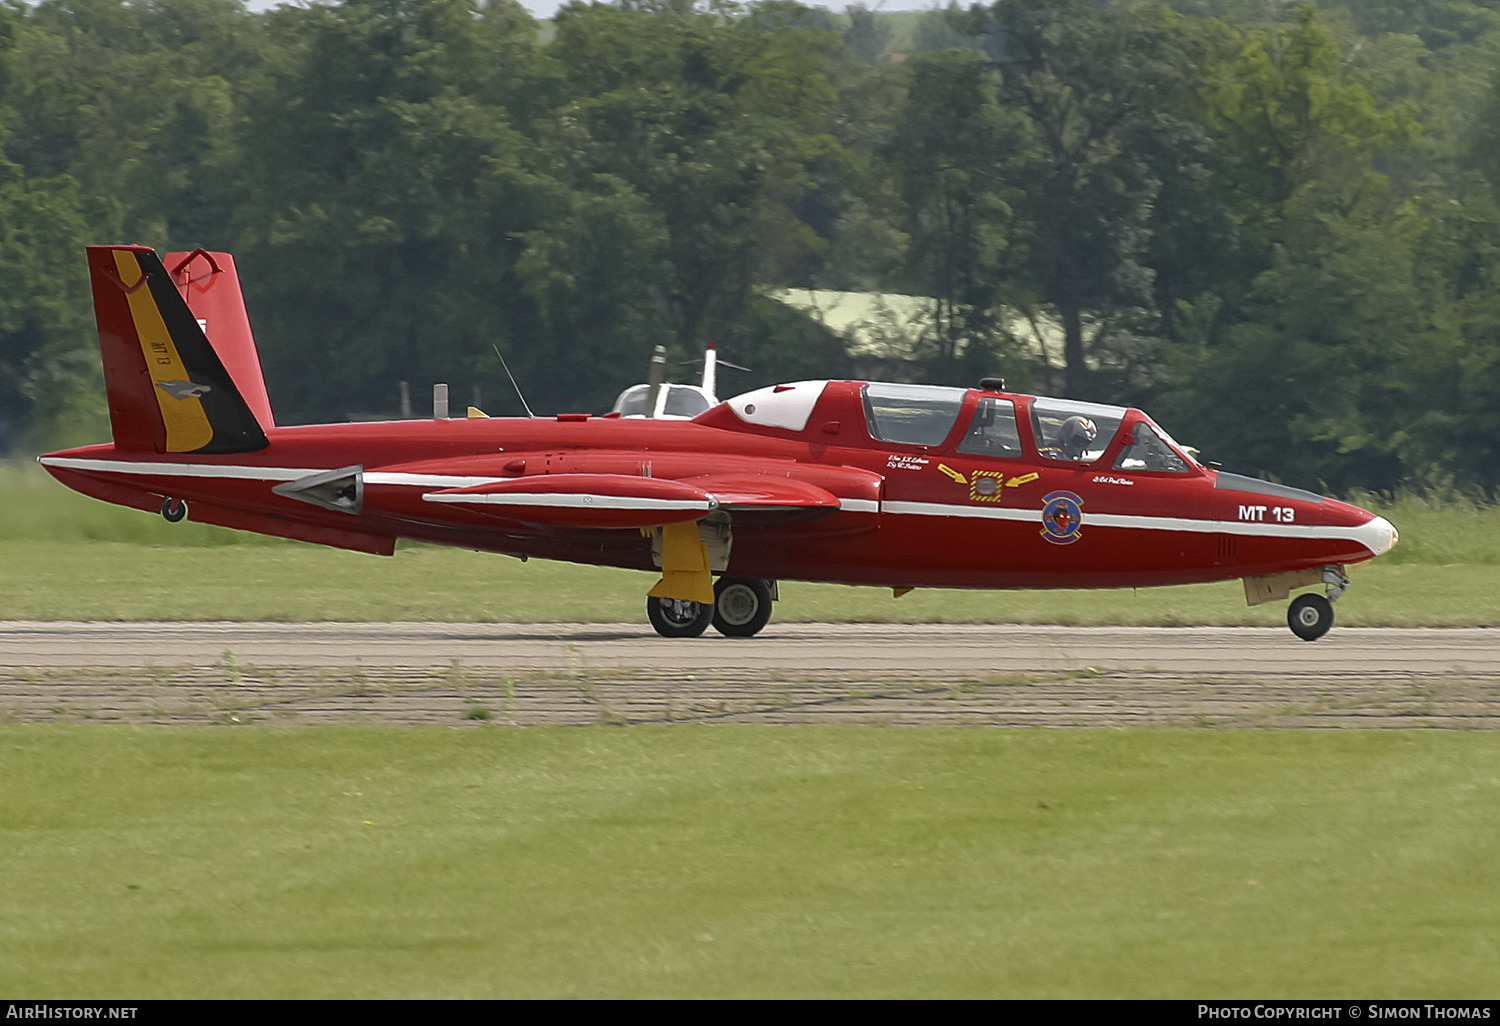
(173, 510)
(742, 606)
(1309, 616)
(678, 618)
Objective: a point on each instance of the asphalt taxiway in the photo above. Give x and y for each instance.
(944, 650)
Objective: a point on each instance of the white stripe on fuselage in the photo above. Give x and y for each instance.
(227, 472)
(379, 477)
(938, 509)
(577, 500)
(202, 470)
(1374, 535)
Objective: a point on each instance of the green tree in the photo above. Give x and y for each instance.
(1294, 364)
(387, 197)
(1109, 96)
(1439, 23)
(593, 267)
(868, 36)
(719, 119)
(51, 384)
(1451, 428)
(950, 152)
(136, 103)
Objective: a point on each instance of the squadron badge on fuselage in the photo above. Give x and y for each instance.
(1062, 517)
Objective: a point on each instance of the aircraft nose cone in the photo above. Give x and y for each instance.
(1378, 535)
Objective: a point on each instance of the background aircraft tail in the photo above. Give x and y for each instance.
(170, 388)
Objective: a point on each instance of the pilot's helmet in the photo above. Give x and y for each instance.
(1075, 436)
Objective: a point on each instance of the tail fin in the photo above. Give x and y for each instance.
(711, 369)
(210, 284)
(168, 389)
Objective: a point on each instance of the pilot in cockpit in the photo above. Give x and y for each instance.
(1075, 436)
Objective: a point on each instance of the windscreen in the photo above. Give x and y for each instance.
(912, 414)
(684, 401)
(1149, 451)
(632, 402)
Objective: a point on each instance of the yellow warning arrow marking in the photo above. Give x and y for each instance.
(1024, 479)
(953, 473)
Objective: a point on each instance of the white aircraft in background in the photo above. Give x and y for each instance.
(662, 401)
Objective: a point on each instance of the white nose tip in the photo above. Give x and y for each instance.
(1379, 535)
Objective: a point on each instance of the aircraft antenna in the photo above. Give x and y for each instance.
(513, 384)
(658, 372)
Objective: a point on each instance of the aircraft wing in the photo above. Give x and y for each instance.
(763, 492)
(768, 501)
(615, 501)
(584, 500)
(786, 494)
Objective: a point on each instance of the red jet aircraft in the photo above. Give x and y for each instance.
(904, 486)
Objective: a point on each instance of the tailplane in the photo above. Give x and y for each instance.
(169, 390)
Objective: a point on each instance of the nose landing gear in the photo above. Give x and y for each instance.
(1311, 615)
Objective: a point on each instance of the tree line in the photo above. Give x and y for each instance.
(1274, 226)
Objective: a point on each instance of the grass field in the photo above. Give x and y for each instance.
(110, 581)
(65, 556)
(725, 861)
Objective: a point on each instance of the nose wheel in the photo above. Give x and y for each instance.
(1310, 616)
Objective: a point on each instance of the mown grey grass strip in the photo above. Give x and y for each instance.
(302, 696)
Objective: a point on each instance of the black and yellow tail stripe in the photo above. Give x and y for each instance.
(201, 408)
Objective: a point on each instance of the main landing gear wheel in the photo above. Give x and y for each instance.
(678, 618)
(173, 510)
(742, 605)
(1310, 616)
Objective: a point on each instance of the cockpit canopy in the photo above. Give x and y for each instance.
(1069, 430)
(926, 415)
